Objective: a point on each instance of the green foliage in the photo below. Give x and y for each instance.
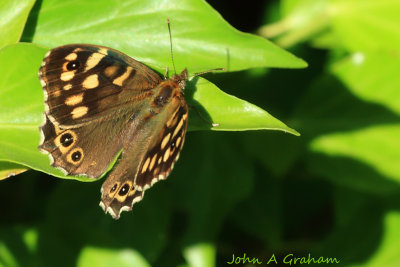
(333, 192)
(23, 96)
(13, 16)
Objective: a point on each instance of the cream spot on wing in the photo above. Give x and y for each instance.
(74, 100)
(66, 76)
(178, 127)
(111, 212)
(159, 160)
(145, 165)
(103, 207)
(120, 80)
(56, 93)
(161, 177)
(124, 208)
(103, 51)
(67, 87)
(169, 122)
(166, 155)
(153, 181)
(71, 56)
(153, 161)
(178, 141)
(42, 83)
(93, 60)
(110, 71)
(136, 199)
(91, 82)
(146, 186)
(79, 112)
(165, 141)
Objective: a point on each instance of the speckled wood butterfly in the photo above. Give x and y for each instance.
(99, 102)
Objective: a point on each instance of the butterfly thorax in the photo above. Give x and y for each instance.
(169, 90)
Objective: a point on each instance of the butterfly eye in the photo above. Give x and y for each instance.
(73, 65)
(66, 139)
(76, 156)
(124, 190)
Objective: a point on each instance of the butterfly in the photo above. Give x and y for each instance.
(102, 105)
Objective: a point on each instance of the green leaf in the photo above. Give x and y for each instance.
(229, 112)
(200, 255)
(372, 77)
(13, 16)
(93, 256)
(202, 39)
(301, 19)
(22, 102)
(362, 149)
(367, 25)
(387, 253)
(8, 169)
(349, 140)
(358, 25)
(376, 147)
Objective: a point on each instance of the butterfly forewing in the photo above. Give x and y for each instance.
(84, 83)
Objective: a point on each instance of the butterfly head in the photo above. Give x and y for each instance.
(180, 79)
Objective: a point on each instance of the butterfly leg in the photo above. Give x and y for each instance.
(202, 117)
(166, 73)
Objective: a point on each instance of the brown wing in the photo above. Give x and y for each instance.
(92, 95)
(83, 83)
(156, 151)
(87, 150)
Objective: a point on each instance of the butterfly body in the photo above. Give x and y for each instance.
(101, 104)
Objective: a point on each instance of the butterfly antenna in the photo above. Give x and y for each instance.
(207, 71)
(170, 43)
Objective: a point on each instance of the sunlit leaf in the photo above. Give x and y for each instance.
(202, 39)
(13, 16)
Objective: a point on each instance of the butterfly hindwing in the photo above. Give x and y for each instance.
(161, 157)
(72, 150)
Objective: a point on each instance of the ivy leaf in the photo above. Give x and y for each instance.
(372, 77)
(202, 39)
(13, 16)
(8, 169)
(93, 256)
(357, 25)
